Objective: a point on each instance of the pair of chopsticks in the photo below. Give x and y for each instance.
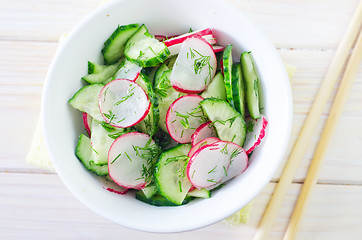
(309, 127)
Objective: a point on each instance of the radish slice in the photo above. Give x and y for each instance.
(202, 143)
(87, 121)
(206, 130)
(218, 48)
(209, 165)
(130, 160)
(174, 44)
(238, 161)
(183, 37)
(128, 70)
(255, 132)
(123, 103)
(161, 37)
(195, 66)
(183, 117)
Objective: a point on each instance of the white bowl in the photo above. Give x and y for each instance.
(62, 124)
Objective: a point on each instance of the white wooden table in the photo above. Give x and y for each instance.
(34, 203)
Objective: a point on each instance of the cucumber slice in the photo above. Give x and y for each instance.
(166, 95)
(159, 200)
(150, 190)
(113, 48)
(150, 72)
(102, 137)
(149, 124)
(251, 84)
(86, 100)
(95, 68)
(128, 70)
(202, 193)
(227, 60)
(216, 88)
(100, 73)
(238, 89)
(166, 65)
(229, 124)
(170, 173)
(84, 154)
(145, 50)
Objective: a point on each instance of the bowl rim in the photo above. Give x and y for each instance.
(259, 184)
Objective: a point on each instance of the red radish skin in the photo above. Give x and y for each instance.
(192, 188)
(125, 165)
(163, 38)
(178, 115)
(255, 134)
(174, 43)
(116, 191)
(204, 131)
(186, 76)
(208, 165)
(133, 107)
(202, 143)
(182, 38)
(87, 120)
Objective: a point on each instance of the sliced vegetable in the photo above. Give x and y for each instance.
(131, 160)
(209, 165)
(101, 73)
(255, 132)
(183, 117)
(251, 84)
(216, 88)
(123, 103)
(145, 49)
(128, 70)
(238, 89)
(205, 130)
(149, 124)
(149, 190)
(195, 66)
(166, 95)
(238, 161)
(113, 48)
(229, 124)
(84, 154)
(174, 43)
(218, 48)
(102, 137)
(87, 121)
(170, 173)
(159, 200)
(202, 143)
(86, 100)
(227, 62)
(200, 193)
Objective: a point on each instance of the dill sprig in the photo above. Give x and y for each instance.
(176, 158)
(110, 115)
(200, 62)
(223, 122)
(125, 98)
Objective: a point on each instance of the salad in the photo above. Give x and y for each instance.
(171, 118)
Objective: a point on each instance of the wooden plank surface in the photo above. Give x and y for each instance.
(34, 204)
(39, 206)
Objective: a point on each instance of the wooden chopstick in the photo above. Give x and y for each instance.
(336, 110)
(309, 127)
